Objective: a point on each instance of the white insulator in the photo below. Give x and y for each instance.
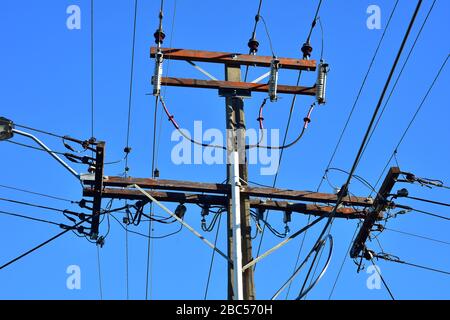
(156, 79)
(321, 85)
(273, 79)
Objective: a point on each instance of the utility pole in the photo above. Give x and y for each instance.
(236, 195)
(235, 124)
(376, 213)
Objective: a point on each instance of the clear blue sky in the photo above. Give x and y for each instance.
(45, 83)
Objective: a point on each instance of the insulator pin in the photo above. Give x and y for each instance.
(159, 36)
(253, 45)
(307, 50)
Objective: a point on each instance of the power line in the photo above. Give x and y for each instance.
(212, 258)
(344, 189)
(400, 74)
(288, 124)
(37, 193)
(423, 212)
(33, 205)
(351, 111)
(28, 218)
(172, 30)
(417, 236)
(343, 262)
(429, 201)
(92, 69)
(397, 260)
(355, 103)
(44, 243)
(92, 127)
(413, 118)
(36, 148)
(99, 268)
(130, 97)
(127, 149)
(382, 279)
(39, 130)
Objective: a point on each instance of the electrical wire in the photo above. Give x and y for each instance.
(37, 148)
(39, 130)
(177, 127)
(303, 291)
(400, 74)
(343, 263)
(291, 144)
(35, 205)
(424, 99)
(288, 123)
(212, 259)
(429, 201)
(44, 243)
(130, 97)
(344, 189)
(417, 236)
(28, 218)
(257, 17)
(146, 236)
(167, 74)
(422, 211)
(355, 103)
(382, 279)
(38, 194)
(266, 28)
(397, 260)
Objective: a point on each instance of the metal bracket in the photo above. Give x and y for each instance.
(235, 93)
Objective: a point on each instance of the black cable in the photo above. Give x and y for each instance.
(344, 189)
(344, 129)
(44, 243)
(298, 257)
(34, 205)
(397, 260)
(155, 116)
(130, 97)
(422, 211)
(92, 69)
(37, 148)
(39, 130)
(343, 262)
(316, 15)
(287, 145)
(417, 236)
(257, 17)
(29, 218)
(268, 35)
(38, 194)
(146, 236)
(291, 111)
(212, 259)
(303, 291)
(382, 279)
(429, 201)
(400, 74)
(413, 119)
